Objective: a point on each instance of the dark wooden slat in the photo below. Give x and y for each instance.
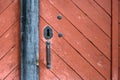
(106, 4)
(77, 40)
(96, 14)
(29, 39)
(85, 25)
(4, 4)
(115, 39)
(69, 55)
(9, 16)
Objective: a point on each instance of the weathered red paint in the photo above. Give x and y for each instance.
(77, 53)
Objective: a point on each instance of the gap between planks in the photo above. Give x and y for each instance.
(6, 7)
(77, 51)
(83, 34)
(91, 20)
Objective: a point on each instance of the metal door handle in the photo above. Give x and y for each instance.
(48, 55)
(48, 34)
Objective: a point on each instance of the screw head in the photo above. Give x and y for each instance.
(59, 17)
(60, 34)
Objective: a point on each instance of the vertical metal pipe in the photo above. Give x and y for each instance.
(29, 25)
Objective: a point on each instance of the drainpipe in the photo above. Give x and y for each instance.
(29, 34)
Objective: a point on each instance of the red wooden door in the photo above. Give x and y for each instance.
(9, 40)
(84, 51)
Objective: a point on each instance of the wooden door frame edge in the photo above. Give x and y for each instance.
(114, 40)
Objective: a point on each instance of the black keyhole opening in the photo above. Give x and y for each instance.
(48, 32)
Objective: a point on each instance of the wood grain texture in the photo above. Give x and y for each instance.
(106, 4)
(59, 68)
(4, 4)
(84, 25)
(77, 41)
(46, 74)
(115, 39)
(119, 59)
(119, 37)
(119, 74)
(119, 11)
(96, 14)
(14, 75)
(70, 56)
(6, 42)
(11, 58)
(9, 17)
(83, 53)
(9, 39)
(9, 61)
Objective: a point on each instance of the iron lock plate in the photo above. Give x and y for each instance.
(48, 32)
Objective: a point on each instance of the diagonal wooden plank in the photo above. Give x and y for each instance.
(95, 13)
(9, 74)
(65, 72)
(84, 25)
(84, 47)
(9, 16)
(62, 71)
(69, 55)
(46, 74)
(9, 62)
(11, 58)
(68, 72)
(14, 75)
(8, 40)
(4, 4)
(106, 4)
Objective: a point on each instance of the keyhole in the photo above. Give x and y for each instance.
(48, 32)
